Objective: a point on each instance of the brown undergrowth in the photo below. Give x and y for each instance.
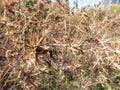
(43, 47)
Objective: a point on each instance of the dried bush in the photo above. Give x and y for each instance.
(43, 47)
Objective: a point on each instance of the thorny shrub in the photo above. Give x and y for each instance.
(44, 47)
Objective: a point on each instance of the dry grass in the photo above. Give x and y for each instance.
(43, 47)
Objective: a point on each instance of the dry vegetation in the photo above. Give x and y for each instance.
(43, 47)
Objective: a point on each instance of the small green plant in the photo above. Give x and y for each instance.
(29, 3)
(117, 72)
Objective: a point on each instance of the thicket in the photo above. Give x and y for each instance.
(45, 47)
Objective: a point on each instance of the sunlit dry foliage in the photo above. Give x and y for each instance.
(44, 47)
